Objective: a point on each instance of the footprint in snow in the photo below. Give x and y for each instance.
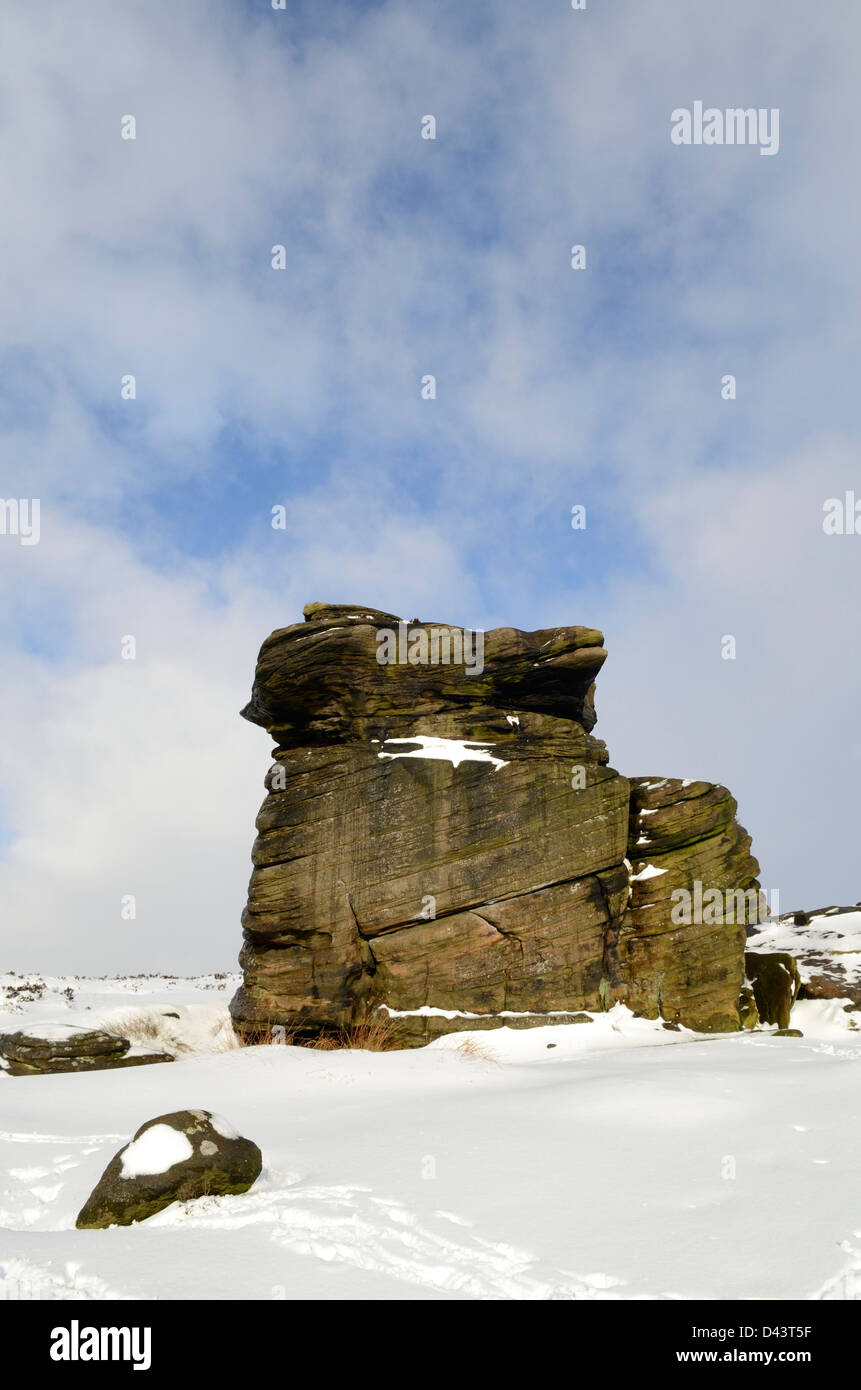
(349, 1226)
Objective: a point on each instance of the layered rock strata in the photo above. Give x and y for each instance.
(65, 1047)
(443, 841)
(693, 890)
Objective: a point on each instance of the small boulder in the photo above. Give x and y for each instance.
(775, 980)
(173, 1158)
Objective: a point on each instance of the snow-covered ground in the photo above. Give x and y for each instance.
(613, 1159)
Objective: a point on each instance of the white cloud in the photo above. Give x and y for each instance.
(747, 556)
(137, 777)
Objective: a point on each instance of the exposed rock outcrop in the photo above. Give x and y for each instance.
(173, 1158)
(445, 837)
(65, 1047)
(774, 979)
(693, 889)
(826, 944)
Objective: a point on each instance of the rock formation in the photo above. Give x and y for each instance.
(774, 981)
(683, 958)
(443, 841)
(66, 1047)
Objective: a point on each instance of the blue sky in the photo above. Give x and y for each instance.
(300, 387)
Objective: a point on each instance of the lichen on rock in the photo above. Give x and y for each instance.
(172, 1158)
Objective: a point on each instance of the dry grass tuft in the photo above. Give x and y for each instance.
(472, 1050)
(378, 1034)
(158, 1027)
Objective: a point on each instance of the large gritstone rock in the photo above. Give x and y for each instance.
(774, 979)
(174, 1158)
(435, 838)
(693, 889)
(443, 841)
(323, 681)
(64, 1047)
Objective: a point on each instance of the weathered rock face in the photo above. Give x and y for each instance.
(684, 955)
(445, 838)
(173, 1158)
(320, 682)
